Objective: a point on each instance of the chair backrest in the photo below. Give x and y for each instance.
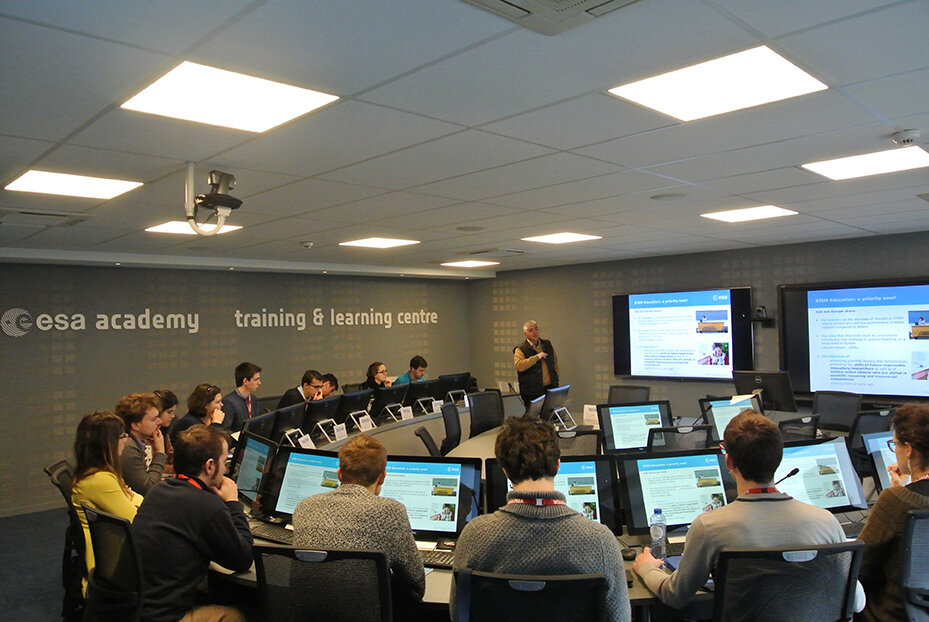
(351, 387)
(836, 409)
(915, 575)
(800, 428)
(680, 437)
(267, 404)
(486, 411)
(300, 584)
(73, 563)
(428, 441)
(868, 422)
(581, 442)
(628, 394)
(114, 585)
(487, 596)
(452, 427)
(808, 583)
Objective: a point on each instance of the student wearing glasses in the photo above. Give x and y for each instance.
(98, 481)
(205, 405)
(883, 534)
(310, 389)
(377, 376)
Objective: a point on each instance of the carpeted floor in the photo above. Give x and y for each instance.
(30, 565)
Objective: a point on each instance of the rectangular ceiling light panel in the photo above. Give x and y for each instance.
(877, 163)
(218, 97)
(181, 227)
(71, 185)
(379, 243)
(750, 213)
(742, 80)
(562, 238)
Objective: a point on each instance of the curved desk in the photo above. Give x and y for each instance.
(399, 436)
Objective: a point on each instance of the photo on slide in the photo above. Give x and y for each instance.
(706, 478)
(712, 321)
(919, 363)
(445, 513)
(919, 324)
(580, 485)
(330, 479)
(444, 487)
(717, 354)
(589, 510)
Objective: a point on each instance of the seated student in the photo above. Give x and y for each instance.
(204, 406)
(309, 389)
(142, 469)
(167, 413)
(100, 439)
(188, 521)
(353, 516)
(330, 385)
(883, 533)
(417, 371)
(377, 376)
(760, 516)
(535, 533)
(242, 404)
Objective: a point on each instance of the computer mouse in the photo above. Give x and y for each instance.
(629, 554)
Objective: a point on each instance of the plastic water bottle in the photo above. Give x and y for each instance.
(658, 529)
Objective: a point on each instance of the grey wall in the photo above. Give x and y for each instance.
(53, 377)
(573, 305)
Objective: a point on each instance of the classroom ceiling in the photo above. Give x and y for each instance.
(454, 127)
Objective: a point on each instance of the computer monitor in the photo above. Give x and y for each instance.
(252, 460)
(683, 484)
(453, 387)
(262, 425)
(625, 426)
(719, 412)
(441, 495)
(535, 407)
(287, 419)
(513, 405)
(826, 476)
(297, 473)
(880, 456)
(320, 410)
(587, 482)
(385, 397)
(420, 395)
(776, 390)
(355, 402)
(554, 408)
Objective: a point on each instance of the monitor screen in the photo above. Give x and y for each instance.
(296, 474)
(290, 418)
(587, 482)
(682, 484)
(719, 412)
(697, 334)
(441, 495)
(625, 426)
(826, 478)
(776, 390)
(881, 457)
(350, 403)
(253, 459)
(261, 426)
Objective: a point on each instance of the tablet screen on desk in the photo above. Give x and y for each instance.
(673, 561)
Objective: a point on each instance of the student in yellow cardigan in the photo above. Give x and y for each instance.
(101, 437)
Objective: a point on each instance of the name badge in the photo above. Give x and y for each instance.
(406, 413)
(340, 432)
(365, 423)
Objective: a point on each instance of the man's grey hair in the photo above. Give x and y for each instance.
(529, 323)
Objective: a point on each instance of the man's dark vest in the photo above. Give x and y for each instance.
(530, 381)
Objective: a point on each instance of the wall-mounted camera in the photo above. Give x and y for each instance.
(221, 183)
(219, 203)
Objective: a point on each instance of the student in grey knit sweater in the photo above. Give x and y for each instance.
(353, 516)
(535, 532)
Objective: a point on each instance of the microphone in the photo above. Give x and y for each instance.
(793, 472)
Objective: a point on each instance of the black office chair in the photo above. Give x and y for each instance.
(114, 585)
(491, 597)
(800, 428)
(836, 409)
(351, 387)
(580, 442)
(306, 585)
(628, 394)
(866, 422)
(680, 438)
(915, 575)
(73, 564)
(428, 441)
(267, 404)
(452, 427)
(486, 411)
(797, 584)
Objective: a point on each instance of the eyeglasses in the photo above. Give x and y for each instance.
(316, 386)
(892, 445)
(382, 371)
(722, 448)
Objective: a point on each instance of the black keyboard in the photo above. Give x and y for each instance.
(274, 533)
(437, 558)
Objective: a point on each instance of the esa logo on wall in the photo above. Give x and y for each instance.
(15, 322)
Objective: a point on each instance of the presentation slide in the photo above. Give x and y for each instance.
(254, 459)
(429, 492)
(630, 424)
(826, 478)
(577, 481)
(685, 334)
(683, 486)
(872, 340)
(306, 475)
(724, 411)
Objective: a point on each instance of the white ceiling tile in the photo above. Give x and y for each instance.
(793, 15)
(895, 96)
(16, 154)
(461, 214)
(765, 180)
(612, 185)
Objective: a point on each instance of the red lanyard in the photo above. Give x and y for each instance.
(536, 501)
(757, 491)
(189, 480)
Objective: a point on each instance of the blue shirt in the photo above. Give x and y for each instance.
(405, 379)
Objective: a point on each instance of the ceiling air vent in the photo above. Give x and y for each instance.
(550, 17)
(495, 252)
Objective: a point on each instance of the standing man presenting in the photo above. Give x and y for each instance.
(536, 364)
(242, 403)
